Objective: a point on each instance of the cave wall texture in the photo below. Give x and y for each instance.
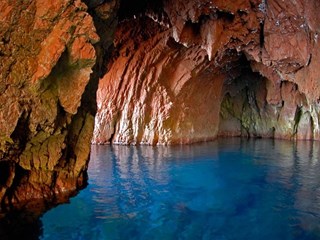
(171, 71)
(50, 54)
(195, 70)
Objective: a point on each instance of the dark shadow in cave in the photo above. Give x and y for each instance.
(17, 224)
(244, 106)
(129, 9)
(20, 225)
(5, 172)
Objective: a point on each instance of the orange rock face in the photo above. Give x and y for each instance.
(165, 83)
(177, 72)
(182, 75)
(157, 91)
(47, 53)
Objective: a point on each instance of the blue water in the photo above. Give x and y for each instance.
(228, 189)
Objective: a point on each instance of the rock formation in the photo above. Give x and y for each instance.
(151, 90)
(47, 52)
(195, 70)
(176, 72)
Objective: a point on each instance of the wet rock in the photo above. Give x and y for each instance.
(47, 53)
(246, 107)
(157, 91)
(176, 72)
(278, 40)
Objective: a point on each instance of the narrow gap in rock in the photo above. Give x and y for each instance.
(261, 34)
(21, 133)
(5, 172)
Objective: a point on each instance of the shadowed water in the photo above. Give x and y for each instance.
(228, 189)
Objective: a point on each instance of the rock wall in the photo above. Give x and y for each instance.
(47, 52)
(165, 80)
(157, 91)
(284, 103)
(186, 73)
(178, 72)
(247, 111)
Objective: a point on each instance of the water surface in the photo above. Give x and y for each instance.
(228, 189)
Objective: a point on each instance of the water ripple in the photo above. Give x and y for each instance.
(229, 189)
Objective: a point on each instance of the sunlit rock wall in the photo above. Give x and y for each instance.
(165, 80)
(157, 91)
(139, 101)
(177, 72)
(47, 53)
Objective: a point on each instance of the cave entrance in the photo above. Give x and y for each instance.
(165, 85)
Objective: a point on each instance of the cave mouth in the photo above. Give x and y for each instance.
(178, 96)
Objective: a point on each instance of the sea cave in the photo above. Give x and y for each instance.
(168, 119)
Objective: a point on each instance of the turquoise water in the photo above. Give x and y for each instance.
(228, 189)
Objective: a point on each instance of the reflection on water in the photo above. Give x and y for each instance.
(228, 189)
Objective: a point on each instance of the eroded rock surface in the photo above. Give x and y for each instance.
(165, 81)
(173, 73)
(252, 108)
(157, 91)
(285, 103)
(178, 72)
(47, 52)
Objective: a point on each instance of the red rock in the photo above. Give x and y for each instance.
(279, 41)
(46, 60)
(190, 71)
(160, 93)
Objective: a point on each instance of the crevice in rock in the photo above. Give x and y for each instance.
(17, 175)
(61, 117)
(309, 60)
(261, 35)
(297, 118)
(5, 172)
(112, 137)
(312, 127)
(21, 133)
(227, 16)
